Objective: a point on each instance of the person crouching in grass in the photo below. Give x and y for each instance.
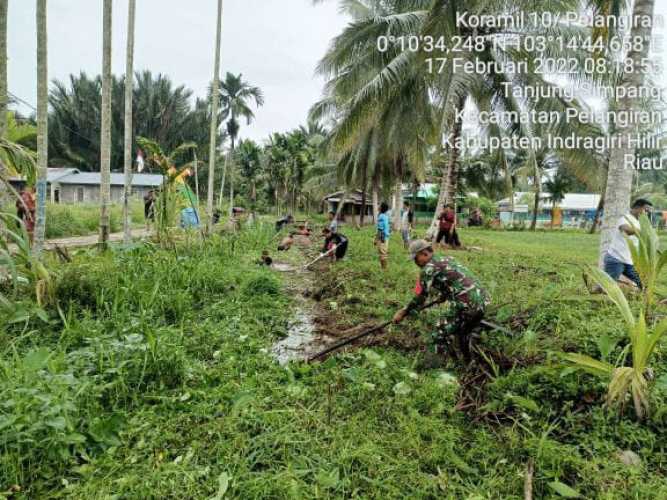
(335, 244)
(453, 283)
(382, 235)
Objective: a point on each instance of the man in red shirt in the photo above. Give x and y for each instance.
(447, 228)
(25, 209)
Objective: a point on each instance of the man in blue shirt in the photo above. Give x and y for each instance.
(382, 236)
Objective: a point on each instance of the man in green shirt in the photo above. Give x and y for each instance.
(467, 299)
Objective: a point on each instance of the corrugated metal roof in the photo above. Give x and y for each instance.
(52, 174)
(93, 178)
(572, 201)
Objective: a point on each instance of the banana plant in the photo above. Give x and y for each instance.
(648, 261)
(21, 265)
(624, 381)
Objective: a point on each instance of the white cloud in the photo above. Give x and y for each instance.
(276, 44)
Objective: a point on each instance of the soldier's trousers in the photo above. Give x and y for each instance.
(458, 323)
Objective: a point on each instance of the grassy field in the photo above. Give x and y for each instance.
(155, 380)
(65, 220)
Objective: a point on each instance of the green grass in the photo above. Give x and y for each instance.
(155, 381)
(65, 220)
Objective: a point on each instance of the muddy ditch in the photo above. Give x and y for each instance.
(304, 337)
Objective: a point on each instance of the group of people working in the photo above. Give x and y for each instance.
(447, 234)
(448, 281)
(443, 276)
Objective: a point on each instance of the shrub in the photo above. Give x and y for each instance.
(40, 417)
(262, 285)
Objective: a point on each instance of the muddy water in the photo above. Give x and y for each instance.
(302, 340)
(284, 268)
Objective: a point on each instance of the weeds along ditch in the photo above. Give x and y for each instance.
(153, 378)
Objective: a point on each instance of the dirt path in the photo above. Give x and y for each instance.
(91, 239)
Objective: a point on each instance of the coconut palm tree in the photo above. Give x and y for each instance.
(619, 179)
(213, 137)
(127, 151)
(365, 78)
(42, 125)
(236, 95)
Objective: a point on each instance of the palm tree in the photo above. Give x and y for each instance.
(557, 187)
(42, 125)
(105, 139)
(17, 155)
(212, 154)
(236, 95)
(161, 110)
(619, 179)
(365, 79)
(249, 159)
(127, 152)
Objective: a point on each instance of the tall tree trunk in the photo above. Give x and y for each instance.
(213, 136)
(224, 178)
(3, 67)
(196, 165)
(619, 179)
(598, 214)
(449, 181)
(364, 192)
(375, 193)
(42, 124)
(509, 188)
(398, 204)
(129, 80)
(413, 202)
(341, 205)
(105, 139)
(538, 189)
(231, 179)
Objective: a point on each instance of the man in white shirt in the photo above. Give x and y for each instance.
(406, 224)
(618, 259)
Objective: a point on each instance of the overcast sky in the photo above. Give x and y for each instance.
(276, 44)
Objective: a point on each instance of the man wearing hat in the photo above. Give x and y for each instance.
(466, 298)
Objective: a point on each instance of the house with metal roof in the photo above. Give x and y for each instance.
(352, 204)
(576, 208)
(70, 185)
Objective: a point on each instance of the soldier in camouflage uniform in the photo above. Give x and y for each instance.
(466, 298)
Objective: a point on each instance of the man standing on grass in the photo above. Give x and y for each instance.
(447, 228)
(407, 218)
(466, 298)
(26, 208)
(382, 235)
(618, 259)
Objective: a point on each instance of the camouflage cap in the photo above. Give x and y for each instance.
(417, 246)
